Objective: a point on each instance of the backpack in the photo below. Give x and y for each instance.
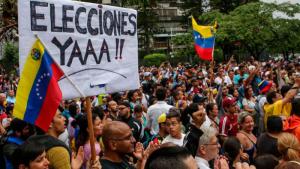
(49, 142)
(15, 142)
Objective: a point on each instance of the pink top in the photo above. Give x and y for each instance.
(87, 152)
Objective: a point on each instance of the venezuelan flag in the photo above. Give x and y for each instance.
(204, 40)
(38, 93)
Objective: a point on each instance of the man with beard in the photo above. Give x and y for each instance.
(118, 142)
(126, 117)
(113, 110)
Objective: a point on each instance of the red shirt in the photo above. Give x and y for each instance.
(228, 125)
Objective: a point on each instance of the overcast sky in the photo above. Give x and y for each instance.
(281, 1)
(280, 14)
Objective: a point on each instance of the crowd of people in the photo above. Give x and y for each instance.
(189, 116)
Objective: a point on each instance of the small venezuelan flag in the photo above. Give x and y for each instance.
(38, 93)
(204, 40)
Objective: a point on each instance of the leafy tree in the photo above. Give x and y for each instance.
(249, 29)
(226, 6)
(184, 50)
(193, 7)
(10, 56)
(154, 59)
(8, 19)
(257, 30)
(286, 31)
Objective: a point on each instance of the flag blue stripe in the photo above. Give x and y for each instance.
(203, 42)
(39, 89)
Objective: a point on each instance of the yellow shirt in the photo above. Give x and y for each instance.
(59, 158)
(277, 109)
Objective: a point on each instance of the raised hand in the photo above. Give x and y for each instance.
(221, 163)
(77, 160)
(139, 151)
(94, 164)
(244, 165)
(151, 147)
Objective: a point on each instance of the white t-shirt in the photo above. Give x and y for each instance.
(206, 123)
(154, 111)
(227, 80)
(202, 163)
(170, 139)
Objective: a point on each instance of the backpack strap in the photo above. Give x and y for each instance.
(15, 140)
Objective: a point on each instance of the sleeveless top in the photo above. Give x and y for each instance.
(250, 151)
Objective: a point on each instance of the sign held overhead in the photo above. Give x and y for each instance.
(95, 45)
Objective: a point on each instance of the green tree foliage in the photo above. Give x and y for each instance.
(193, 7)
(226, 6)
(10, 56)
(154, 59)
(8, 19)
(184, 50)
(251, 29)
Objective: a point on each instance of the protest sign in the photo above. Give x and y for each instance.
(95, 45)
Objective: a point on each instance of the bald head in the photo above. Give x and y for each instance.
(114, 130)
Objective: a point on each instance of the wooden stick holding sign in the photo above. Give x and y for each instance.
(90, 126)
(89, 113)
(211, 71)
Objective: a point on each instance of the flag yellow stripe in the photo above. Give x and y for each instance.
(205, 31)
(27, 78)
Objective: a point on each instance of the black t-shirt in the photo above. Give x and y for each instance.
(192, 138)
(267, 145)
(135, 126)
(106, 164)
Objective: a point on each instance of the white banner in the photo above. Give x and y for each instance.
(95, 45)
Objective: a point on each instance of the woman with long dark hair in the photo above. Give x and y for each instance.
(84, 136)
(249, 100)
(232, 150)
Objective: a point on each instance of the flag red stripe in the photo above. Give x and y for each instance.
(52, 100)
(204, 53)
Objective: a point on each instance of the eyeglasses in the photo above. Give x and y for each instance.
(122, 108)
(214, 144)
(129, 137)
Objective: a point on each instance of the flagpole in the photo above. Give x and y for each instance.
(212, 68)
(213, 49)
(90, 126)
(88, 107)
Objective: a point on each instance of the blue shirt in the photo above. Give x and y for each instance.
(10, 99)
(237, 77)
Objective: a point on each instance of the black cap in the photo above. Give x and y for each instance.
(199, 99)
